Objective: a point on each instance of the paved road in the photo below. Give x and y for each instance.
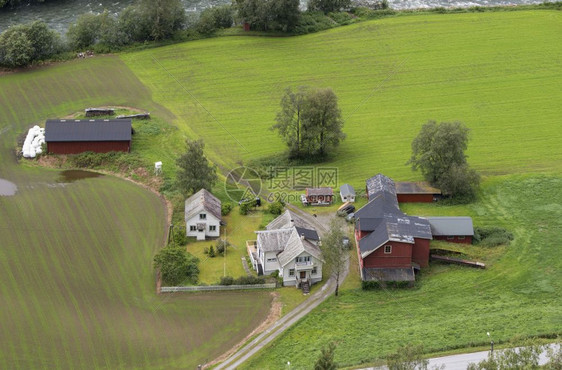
(290, 318)
(461, 362)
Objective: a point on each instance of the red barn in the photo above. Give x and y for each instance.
(390, 244)
(452, 229)
(77, 136)
(416, 192)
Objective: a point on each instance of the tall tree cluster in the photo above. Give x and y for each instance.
(438, 151)
(310, 122)
(264, 15)
(23, 44)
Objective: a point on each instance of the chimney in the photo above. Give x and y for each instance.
(302, 236)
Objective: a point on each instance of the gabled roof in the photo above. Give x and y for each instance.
(346, 190)
(88, 130)
(379, 184)
(203, 200)
(319, 191)
(273, 240)
(295, 246)
(421, 187)
(451, 225)
(287, 220)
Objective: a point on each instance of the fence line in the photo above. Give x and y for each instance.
(202, 288)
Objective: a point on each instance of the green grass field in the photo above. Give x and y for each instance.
(78, 289)
(452, 307)
(496, 72)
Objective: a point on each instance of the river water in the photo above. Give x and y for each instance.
(59, 14)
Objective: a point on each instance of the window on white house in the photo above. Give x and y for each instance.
(202, 216)
(388, 249)
(291, 272)
(212, 228)
(272, 259)
(303, 259)
(192, 228)
(314, 270)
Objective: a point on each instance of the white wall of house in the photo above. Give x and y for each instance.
(348, 198)
(212, 225)
(291, 279)
(269, 262)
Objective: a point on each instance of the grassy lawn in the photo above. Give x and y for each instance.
(451, 307)
(496, 72)
(239, 229)
(78, 289)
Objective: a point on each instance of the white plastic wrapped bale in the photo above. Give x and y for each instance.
(33, 141)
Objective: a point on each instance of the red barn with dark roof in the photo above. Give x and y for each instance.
(78, 136)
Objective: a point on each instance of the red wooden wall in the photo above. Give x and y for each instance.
(415, 198)
(401, 256)
(75, 147)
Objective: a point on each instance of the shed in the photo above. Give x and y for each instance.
(416, 192)
(452, 229)
(76, 136)
(347, 193)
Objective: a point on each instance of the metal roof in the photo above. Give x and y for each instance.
(346, 190)
(203, 200)
(287, 220)
(88, 130)
(378, 184)
(451, 225)
(421, 187)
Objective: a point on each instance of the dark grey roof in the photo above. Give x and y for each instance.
(379, 206)
(389, 274)
(415, 188)
(87, 130)
(319, 191)
(451, 225)
(346, 190)
(202, 200)
(308, 233)
(378, 184)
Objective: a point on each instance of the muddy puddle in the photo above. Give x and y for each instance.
(70, 176)
(7, 188)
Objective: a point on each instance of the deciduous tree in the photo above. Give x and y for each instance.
(195, 172)
(310, 122)
(176, 265)
(328, 6)
(334, 252)
(438, 151)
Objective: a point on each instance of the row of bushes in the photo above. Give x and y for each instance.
(243, 280)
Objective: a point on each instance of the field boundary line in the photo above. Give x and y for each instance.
(203, 288)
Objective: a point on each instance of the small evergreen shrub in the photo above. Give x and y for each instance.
(491, 236)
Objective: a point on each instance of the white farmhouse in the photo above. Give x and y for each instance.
(290, 246)
(203, 215)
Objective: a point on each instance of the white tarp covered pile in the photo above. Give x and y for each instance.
(33, 141)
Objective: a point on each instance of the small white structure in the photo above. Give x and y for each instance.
(158, 168)
(291, 246)
(203, 215)
(347, 193)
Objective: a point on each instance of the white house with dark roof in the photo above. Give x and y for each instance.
(203, 215)
(347, 193)
(290, 246)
